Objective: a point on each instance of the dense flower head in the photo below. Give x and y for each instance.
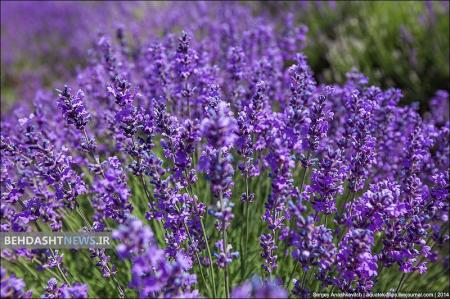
(438, 201)
(326, 182)
(356, 265)
(312, 244)
(12, 287)
(111, 192)
(152, 274)
(236, 63)
(219, 128)
(302, 83)
(73, 107)
(258, 288)
(134, 238)
(225, 257)
(377, 207)
(269, 248)
(184, 56)
(317, 249)
(293, 37)
(77, 290)
(216, 160)
(319, 115)
(361, 107)
(439, 105)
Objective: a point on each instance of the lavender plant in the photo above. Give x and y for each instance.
(224, 169)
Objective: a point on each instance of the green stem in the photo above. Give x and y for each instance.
(302, 180)
(59, 269)
(153, 223)
(304, 279)
(247, 208)
(400, 282)
(331, 291)
(345, 228)
(211, 270)
(201, 272)
(79, 212)
(292, 274)
(210, 259)
(51, 251)
(196, 253)
(116, 282)
(305, 169)
(224, 236)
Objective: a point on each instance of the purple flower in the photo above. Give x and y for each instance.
(362, 143)
(377, 207)
(257, 288)
(236, 63)
(121, 91)
(220, 127)
(12, 287)
(185, 56)
(319, 116)
(313, 245)
(219, 131)
(439, 105)
(326, 182)
(269, 248)
(293, 37)
(77, 290)
(251, 125)
(152, 274)
(111, 198)
(302, 83)
(224, 257)
(356, 265)
(348, 178)
(302, 86)
(73, 108)
(134, 238)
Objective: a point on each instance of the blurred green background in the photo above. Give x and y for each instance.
(403, 44)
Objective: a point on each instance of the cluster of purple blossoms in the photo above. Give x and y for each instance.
(152, 273)
(326, 182)
(110, 192)
(257, 288)
(362, 142)
(64, 291)
(319, 116)
(283, 190)
(233, 155)
(216, 161)
(302, 86)
(12, 287)
(313, 245)
(356, 265)
(73, 108)
(377, 207)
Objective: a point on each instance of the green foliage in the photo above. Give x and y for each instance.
(396, 44)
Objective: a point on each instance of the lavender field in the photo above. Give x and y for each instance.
(232, 149)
